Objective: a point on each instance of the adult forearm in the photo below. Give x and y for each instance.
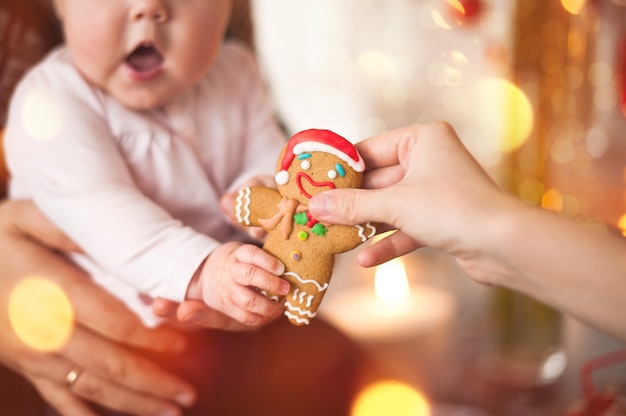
(573, 266)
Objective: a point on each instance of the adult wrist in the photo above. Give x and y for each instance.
(495, 242)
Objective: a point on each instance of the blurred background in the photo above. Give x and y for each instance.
(536, 90)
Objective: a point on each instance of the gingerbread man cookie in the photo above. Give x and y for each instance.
(312, 161)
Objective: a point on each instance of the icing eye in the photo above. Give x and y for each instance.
(332, 174)
(306, 165)
(340, 170)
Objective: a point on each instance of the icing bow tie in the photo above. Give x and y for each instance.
(284, 218)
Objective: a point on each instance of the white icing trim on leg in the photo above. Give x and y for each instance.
(304, 281)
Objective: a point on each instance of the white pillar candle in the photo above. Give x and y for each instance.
(405, 329)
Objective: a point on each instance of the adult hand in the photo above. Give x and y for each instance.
(196, 312)
(417, 177)
(110, 374)
(425, 183)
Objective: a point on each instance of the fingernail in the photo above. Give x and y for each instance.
(186, 398)
(280, 270)
(196, 318)
(320, 205)
(284, 288)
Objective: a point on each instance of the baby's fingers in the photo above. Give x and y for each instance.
(257, 233)
(252, 276)
(255, 308)
(255, 256)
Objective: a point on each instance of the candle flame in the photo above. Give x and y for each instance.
(391, 283)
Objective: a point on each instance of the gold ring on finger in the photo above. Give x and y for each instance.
(72, 376)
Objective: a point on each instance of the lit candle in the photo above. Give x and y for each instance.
(405, 329)
(392, 309)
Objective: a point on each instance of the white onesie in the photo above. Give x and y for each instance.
(140, 191)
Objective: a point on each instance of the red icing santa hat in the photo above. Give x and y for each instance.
(313, 140)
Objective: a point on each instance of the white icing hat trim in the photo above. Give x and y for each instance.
(357, 165)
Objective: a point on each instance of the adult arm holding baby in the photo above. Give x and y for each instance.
(104, 331)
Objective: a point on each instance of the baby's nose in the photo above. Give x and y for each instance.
(154, 10)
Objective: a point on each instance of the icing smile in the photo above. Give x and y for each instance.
(144, 63)
(300, 176)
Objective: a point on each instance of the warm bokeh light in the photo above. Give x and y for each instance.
(576, 43)
(571, 77)
(552, 200)
(573, 6)
(376, 65)
(391, 283)
(622, 224)
(605, 98)
(531, 190)
(439, 20)
(42, 115)
(552, 60)
(562, 151)
(505, 112)
(41, 314)
(390, 397)
(553, 366)
(597, 142)
(600, 74)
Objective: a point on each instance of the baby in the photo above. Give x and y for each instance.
(128, 136)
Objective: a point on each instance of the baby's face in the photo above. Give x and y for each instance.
(145, 53)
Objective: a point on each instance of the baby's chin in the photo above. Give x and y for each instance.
(143, 98)
(142, 103)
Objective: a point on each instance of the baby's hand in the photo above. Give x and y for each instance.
(228, 200)
(231, 278)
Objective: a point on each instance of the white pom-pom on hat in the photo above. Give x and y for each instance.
(282, 177)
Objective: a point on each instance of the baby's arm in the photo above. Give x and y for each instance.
(231, 278)
(75, 171)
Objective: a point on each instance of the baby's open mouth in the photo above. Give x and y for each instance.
(145, 61)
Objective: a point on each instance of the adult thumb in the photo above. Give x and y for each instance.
(346, 206)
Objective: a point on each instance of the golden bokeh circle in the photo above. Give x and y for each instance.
(41, 314)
